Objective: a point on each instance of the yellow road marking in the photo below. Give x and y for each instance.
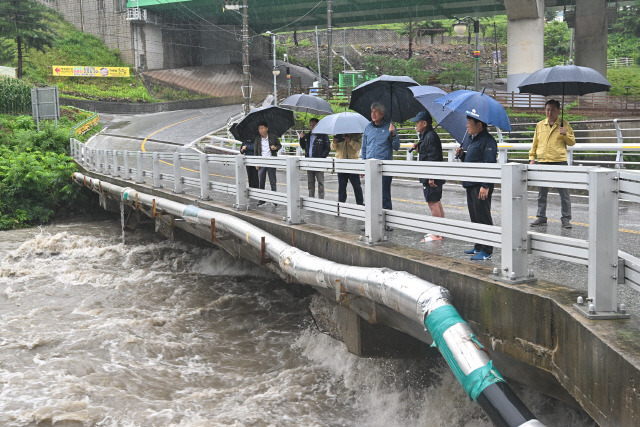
(166, 127)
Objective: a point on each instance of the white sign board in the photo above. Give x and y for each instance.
(8, 72)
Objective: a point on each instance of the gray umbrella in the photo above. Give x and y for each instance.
(564, 80)
(304, 103)
(341, 123)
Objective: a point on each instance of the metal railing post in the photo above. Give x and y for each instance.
(204, 177)
(242, 199)
(177, 174)
(105, 163)
(514, 225)
(116, 173)
(294, 211)
(602, 273)
(619, 140)
(373, 214)
(139, 170)
(157, 182)
(125, 165)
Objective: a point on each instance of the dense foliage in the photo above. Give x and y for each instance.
(35, 172)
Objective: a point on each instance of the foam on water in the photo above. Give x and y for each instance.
(94, 332)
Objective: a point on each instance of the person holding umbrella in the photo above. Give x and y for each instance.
(266, 144)
(429, 149)
(315, 145)
(550, 142)
(379, 141)
(478, 147)
(348, 146)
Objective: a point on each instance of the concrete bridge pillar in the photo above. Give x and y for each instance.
(591, 35)
(525, 40)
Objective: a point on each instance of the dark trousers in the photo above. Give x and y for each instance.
(386, 192)
(565, 198)
(354, 178)
(252, 176)
(480, 212)
(262, 177)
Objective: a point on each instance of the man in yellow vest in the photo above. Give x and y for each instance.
(550, 143)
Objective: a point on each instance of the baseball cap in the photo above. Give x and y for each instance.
(422, 115)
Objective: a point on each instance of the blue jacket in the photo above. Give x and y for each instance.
(480, 148)
(249, 151)
(377, 142)
(321, 145)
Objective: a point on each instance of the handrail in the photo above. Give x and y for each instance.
(599, 252)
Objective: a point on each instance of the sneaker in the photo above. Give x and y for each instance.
(388, 228)
(539, 221)
(261, 202)
(430, 238)
(471, 251)
(480, 256)
(274, 204)
(566, 223)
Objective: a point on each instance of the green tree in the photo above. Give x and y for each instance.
(557, 37)
(457, 73)
(23, 21)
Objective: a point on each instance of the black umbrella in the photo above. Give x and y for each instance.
(564, 80)
(392, 91)
(278, 119)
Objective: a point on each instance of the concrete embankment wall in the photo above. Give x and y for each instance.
(148, 108)
(532, 331)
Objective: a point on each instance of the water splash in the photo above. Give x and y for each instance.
(122, 219)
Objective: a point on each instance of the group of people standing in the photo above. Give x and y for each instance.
(380, 139)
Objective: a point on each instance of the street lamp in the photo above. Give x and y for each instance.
(460, 27)
(275, 70)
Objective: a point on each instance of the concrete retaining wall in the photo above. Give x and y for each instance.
(132, 108)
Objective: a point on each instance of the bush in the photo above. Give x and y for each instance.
(35, 171)
(33, 186)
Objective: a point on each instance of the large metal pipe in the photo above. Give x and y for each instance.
(405, 293)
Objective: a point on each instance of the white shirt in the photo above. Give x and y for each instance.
(266, 150)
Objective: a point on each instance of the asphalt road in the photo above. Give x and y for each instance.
(170, 131)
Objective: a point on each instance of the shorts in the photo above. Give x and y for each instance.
(432, 194)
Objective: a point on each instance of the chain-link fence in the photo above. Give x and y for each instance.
(15, 97)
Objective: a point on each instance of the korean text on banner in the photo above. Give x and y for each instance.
(82, 71)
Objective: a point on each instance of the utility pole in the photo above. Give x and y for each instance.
(318, 55)
(329, 47)
(246, 86)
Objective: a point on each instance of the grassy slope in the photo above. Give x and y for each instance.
(74, 47)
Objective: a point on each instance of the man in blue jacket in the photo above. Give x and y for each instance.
(478, 147)
(379, 141)
(317, 146)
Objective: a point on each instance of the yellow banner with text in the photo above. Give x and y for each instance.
(82, 71)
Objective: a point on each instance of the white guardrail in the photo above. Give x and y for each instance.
(607, 266)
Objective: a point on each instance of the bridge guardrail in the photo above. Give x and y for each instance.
(607, 265)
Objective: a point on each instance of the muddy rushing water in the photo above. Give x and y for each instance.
(94, 332)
